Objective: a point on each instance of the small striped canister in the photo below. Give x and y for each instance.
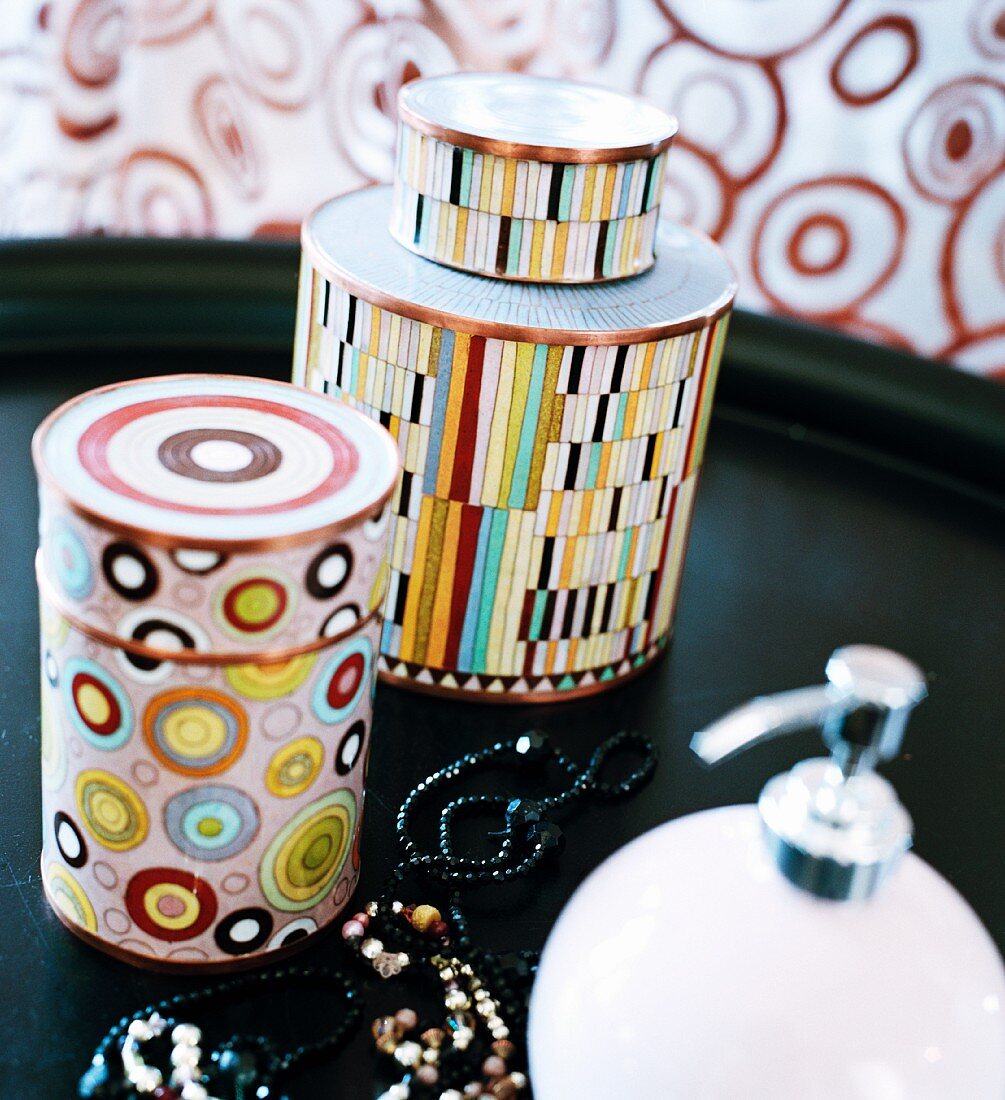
(529, 178)
(211, 572)
(551, 437)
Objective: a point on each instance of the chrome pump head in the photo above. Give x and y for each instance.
(833, 825)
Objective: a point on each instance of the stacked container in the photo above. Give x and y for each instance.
(550, 412)
(211, 571)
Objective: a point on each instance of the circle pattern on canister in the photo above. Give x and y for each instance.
(375, 527)
(169, 904)
(69, 897)
(342, 681)
(378, 591)
(55, 629)
(97, 705)
(129, 571)
(350, 747)
(290, 933)
(329, 571)
(255, 604)
(244, 931)
(294, 767)
(195, 731)
(219, 455)
(270, 681)
(157, 628)
(69, 560)
(211, 822)
(69, 840)
(341, 620)
(113, 813)
(197, 562)
(304, 860)
(53, 746)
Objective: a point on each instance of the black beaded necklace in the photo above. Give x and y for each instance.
(484, 993)
(245, 1065)
(528, 837)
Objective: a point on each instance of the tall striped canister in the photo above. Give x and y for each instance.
(551, 437)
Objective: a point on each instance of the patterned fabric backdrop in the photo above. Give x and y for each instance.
(848, 153)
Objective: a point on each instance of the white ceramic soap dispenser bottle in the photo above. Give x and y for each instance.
(784, 950)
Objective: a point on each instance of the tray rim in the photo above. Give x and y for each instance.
(242, 295)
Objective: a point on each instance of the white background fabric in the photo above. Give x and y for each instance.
(848, 153)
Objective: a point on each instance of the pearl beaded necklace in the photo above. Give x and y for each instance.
(484, 994)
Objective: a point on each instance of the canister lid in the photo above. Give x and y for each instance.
(213, 460)
(691, 283)
(519, 177)
(534, 117)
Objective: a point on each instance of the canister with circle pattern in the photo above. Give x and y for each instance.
(529, 178)
(211, 571)
(551, 438)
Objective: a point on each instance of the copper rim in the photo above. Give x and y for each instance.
(169, 966)
(516, 150)
(464, 695)
(502, 330)
(168, 541)
(410, 245)
(192, 656)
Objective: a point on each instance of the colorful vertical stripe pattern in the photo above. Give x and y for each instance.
(539, 529)
(525, 219)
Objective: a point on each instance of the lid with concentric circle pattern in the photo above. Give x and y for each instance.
(204, 460)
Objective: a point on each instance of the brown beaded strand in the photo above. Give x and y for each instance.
(469, 1003)
(484, 994)
(470, 1006)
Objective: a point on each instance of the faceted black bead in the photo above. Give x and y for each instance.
(105, 1082)
(522, 811)
(237, 1068)
(532, 746)
(514, 963)
(549, 837)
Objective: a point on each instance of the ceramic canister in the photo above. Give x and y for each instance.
(211, 571)
(529, 178)
(551, 439)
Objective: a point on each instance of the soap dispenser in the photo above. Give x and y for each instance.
(792, 950)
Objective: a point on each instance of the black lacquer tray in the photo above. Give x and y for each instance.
(850, 494)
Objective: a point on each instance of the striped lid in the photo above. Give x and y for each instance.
(529, 178)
